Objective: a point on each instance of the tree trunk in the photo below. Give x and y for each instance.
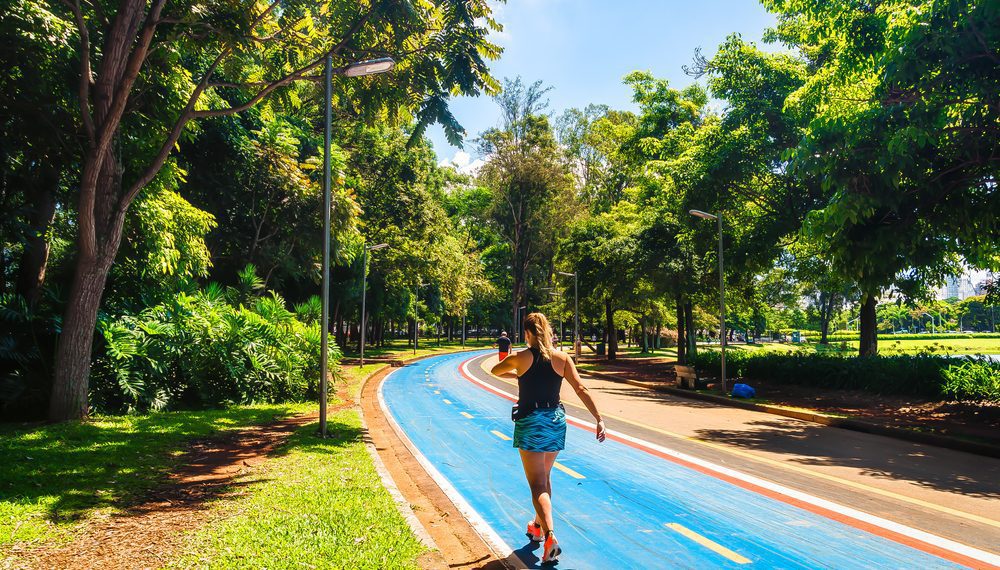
(34, 260)
(868, 326)
(681, 337)
(71, 383)
(609, 316)
(826, 313)
(692, 337)
(99, 236)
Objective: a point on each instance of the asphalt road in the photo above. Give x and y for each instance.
(651, 498)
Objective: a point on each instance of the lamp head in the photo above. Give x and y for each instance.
(369, 67)
(703, 215)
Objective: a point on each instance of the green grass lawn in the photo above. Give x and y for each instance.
(317, 501)
(945, 346)
(54, 476)
(886, 347)
(318, 504)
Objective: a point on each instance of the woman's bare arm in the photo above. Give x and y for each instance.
(572, 376)
(507, 366)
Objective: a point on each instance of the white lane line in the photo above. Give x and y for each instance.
(709, 544)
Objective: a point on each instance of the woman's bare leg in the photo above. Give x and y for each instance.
(537, 468)
(550, 460)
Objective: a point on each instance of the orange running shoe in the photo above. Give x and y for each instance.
(551, 551)
(534, 532)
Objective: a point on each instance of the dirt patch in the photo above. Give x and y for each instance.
(976, 421)
(459, 544)
(148, 532)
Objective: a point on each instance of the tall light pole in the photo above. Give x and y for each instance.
(359, 69)
(364, 296)
(576, 312)
(722, 291)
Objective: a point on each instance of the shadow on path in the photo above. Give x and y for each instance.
(871, 455)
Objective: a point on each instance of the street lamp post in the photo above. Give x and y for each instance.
(576, 312)
(359, 69)
(722, 292)
(364, 296)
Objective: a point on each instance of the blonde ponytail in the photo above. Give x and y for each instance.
(538, 326)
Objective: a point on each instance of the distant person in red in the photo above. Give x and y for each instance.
(504, 344)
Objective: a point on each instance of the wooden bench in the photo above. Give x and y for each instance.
(686, 377)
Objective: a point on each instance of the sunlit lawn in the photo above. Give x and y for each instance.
(946, 346)
(317, 504)
(54, 476)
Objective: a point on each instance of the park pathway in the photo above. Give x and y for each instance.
(697, 496)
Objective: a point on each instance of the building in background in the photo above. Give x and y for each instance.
(958, 287)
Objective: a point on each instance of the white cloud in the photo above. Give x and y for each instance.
(463, 163)
(461, 159)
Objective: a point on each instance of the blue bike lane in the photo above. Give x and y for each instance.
(625, 503)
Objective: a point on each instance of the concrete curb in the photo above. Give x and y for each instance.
(817, 417)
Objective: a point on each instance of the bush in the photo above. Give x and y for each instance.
(206, 348)
(976, 379)
(920, 375)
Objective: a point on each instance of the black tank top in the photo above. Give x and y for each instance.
(539, 386)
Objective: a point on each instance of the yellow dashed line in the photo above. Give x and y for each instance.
(500, 435)
(447, 401)
(567, 470)
(437, 391)
(713, 546)
(466, 414)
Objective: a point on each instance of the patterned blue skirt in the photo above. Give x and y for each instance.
(543, 429)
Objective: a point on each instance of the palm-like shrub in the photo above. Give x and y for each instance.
(208, 348)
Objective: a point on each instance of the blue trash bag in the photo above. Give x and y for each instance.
(743, 391)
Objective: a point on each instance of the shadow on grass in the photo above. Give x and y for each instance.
(70, 469)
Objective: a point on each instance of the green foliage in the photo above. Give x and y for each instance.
(207, 348)
(922, 375)
(974, 380)
(27, 338)
(903, 113)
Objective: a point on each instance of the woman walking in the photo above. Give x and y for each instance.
(540, 420)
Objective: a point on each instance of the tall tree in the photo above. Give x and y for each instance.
(904, 104)
(531, 184)
(148, 68)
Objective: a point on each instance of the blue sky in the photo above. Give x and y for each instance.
(583, 48)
